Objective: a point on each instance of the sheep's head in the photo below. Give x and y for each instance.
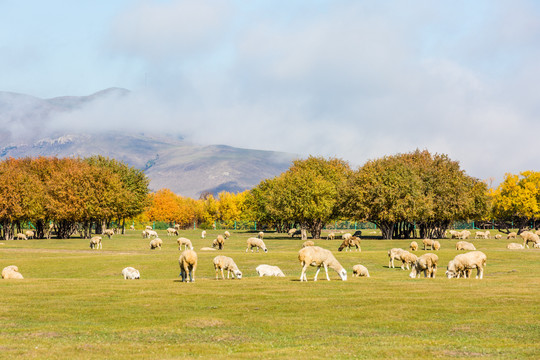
(451, 270)
(265, 250)
(343, 274)
(238, 274)
(414, 271)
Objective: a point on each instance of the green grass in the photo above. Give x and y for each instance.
(74, 303)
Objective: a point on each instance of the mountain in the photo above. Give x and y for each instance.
(170, 162)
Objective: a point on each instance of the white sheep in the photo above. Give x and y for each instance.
(498, 236)
(512, 235)
(528, 237)
(148, 227)
(404, 256)
(203, 234)
(256, 243)
(308, 243)
(293, 232)
(226, 235)
(331, 236)
(464, 245)
(150, 233)
(184, 241)
(350, 242)
(360, 270)
(436, 245)
(11, 272)
(156, 243)
(108, 232)
(317, 256)
(482, 235)
(428, 242)
(413, 246)
(95, 243)
(130, 273)
(465, 263)
(218, 242)
(346, 236)
(269, 270)
(260, 235)
(226, 263)
(172, 231)
(29, 234)
(21, 236)
(515, 246)
(188, 265)
(463, 235)
(427, 264)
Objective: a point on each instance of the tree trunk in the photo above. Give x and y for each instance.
(387, 229)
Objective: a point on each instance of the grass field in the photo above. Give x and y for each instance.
(74, 304)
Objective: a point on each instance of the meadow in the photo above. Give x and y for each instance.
(74, 303)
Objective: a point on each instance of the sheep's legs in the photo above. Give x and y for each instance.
(326, 269)
(317, 273)
(303, 276)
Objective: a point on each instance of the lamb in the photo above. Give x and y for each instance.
(464, 245)
(515, 246)
(219, 242)
(226, 263)
(226, 235)
(29, 234)
(269, 270)
(184, 241)
(11, 272)
(528, 237)
(21, 236)
(360, 270)
(350, 242)
(131, 273)
(260, 235)
(428, 242)
(426, 263)
(188, 265)
(203, 234)
(512, 235)
(464, 263)
(172, 231)
(108, 232)
(308, 243)
(436, 245)
(317, 256)
(156, 243)
(255, 242)
(413, 246)
(498, 236)
(95, 243)
(331, 236)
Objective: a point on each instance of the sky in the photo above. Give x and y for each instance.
(356, 80)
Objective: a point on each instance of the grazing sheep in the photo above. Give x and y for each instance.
(350, 242)
(462, 235)
(260, 235)
(130, 273)
(346, 236)
(188, 265)
(108, 232)
(464, 245)
(293, 232)
(436, 245)
(453, 234)
(413, 246)
(331, 236)
(428, 242)
(218, 242)
(207, 249)
(394, 254)
(269, 270)
(308, 243)
(360, 270)
(512, 235)
(95, 243)
(515, 246)
(172, 231)
(156, 243)
(528, 237)
(184, 241)
(255, 242)
(317, 256)
(11, 272)
(226, 263)
(426, 263)
(464, 263)
(150, 233)
(148, 227)
(498, 236)
(226, 235)
(21, 236)
(203, 234)
(482, 235)
(29, 234)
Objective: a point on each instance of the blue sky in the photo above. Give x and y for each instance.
(352, 79)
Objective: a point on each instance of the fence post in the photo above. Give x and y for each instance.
(234, 224)
(154, 225)
(255, 225)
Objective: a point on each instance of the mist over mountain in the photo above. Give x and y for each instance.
(168, 160)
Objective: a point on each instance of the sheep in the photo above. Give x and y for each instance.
(436, 245)
(428, 242)
(260, 235)
(150, 233)
(453, 234)
(148, 227)
(360, 270)
(218, 242)
(464, 263)
(394, 253)
(131, 227)
(462, 235)
(108, 232)
(482, 235)
(255, 242)
(426, 263)
(156, 243)
(226, 263)
(29, 234)
(207, 249)
(464, 245)
(346, 236)
(21, 236)
(308, 243)
(269, 270)
(317, 256)
(226, 235)
(515, 246)
(188, 265)
(331, 236)
(413, 246)
(528, 237)
(293, 232)
(512, 235)
(11, 272)
(404, 256)
(203, 234)
(350, 242)
(498, 236)
(95, 243)
(130, 273)
(184, 241)
(172, 231)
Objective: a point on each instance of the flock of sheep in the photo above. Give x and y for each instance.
(310, 255)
